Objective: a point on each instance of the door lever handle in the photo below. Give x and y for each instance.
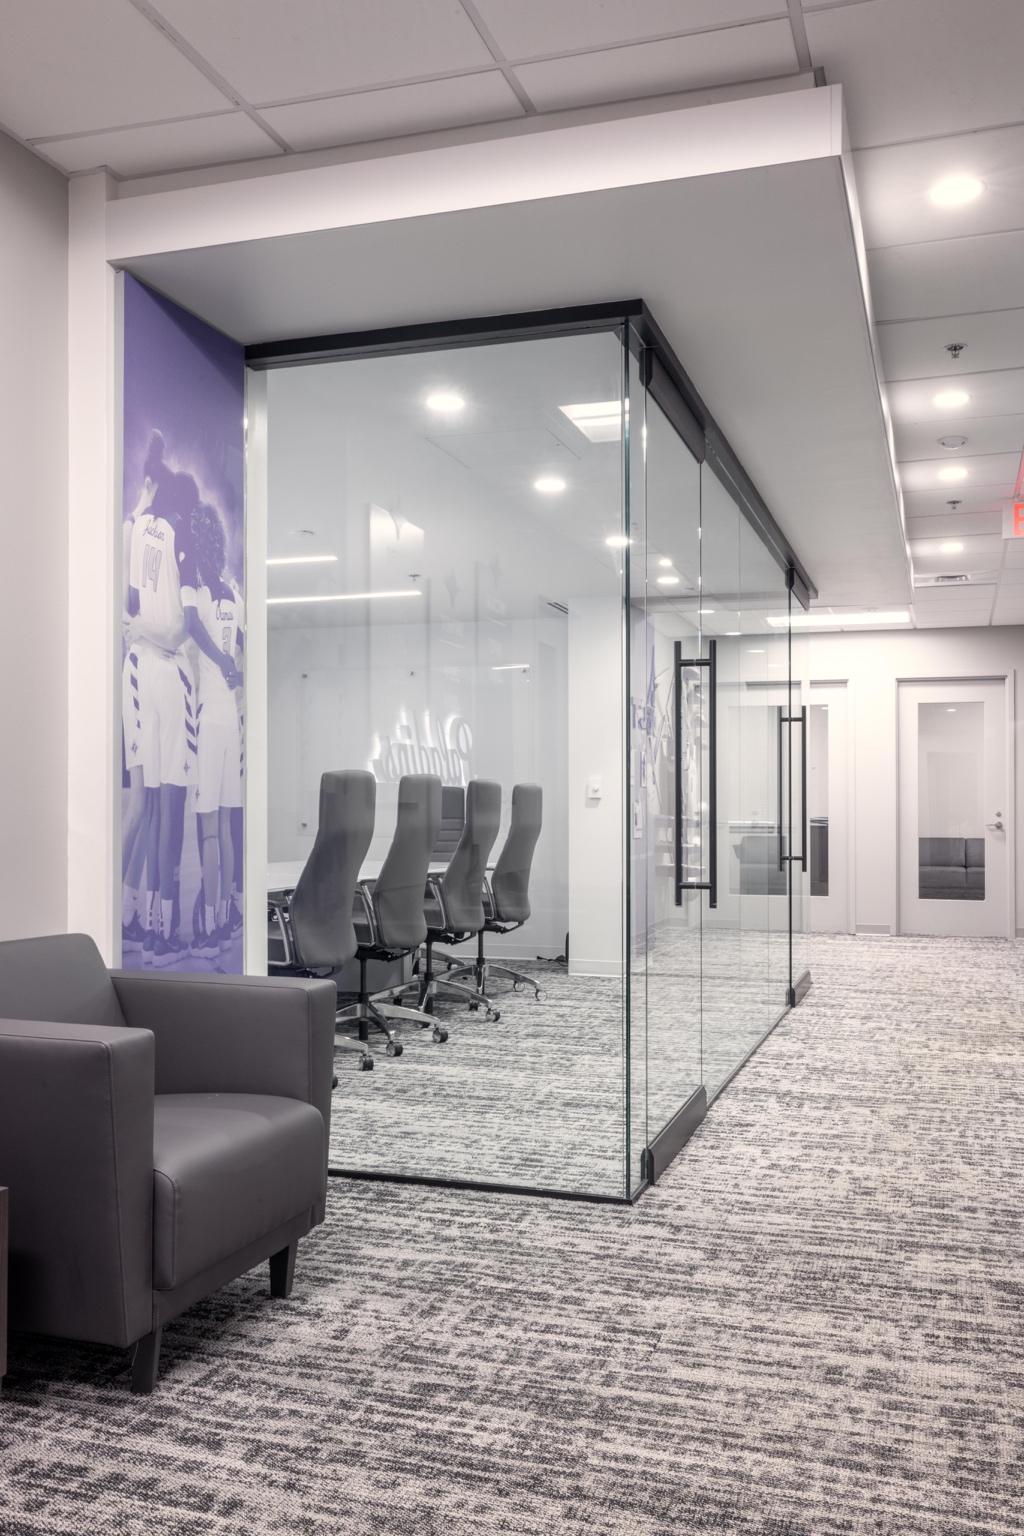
(996, 826)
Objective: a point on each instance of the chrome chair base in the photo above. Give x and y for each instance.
(482, 973)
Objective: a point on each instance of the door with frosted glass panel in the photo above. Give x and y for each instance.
(954, 809)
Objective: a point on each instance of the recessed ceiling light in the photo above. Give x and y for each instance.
(950, 709)
(665, 563)
(951, 472)
(549, 485)
(617, 541)
(956, 189)
(301, 559)
(754, 650)
(733, 633)
(512, 666)
(345, 597)
(445, 402)
(598, 420)
(952, 547)
(705, 610)
(668, 581)
(950, 399)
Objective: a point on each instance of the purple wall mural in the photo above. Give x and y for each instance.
(183, 621)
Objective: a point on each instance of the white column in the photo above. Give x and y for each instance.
(93, 546)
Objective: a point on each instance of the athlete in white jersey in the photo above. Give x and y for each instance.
(218, 783)
(161, 586)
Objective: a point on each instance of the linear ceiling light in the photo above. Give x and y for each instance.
(549, 485)
(512, 666)
(599, 420)
(345, 597)
(956, 189)
(445, 402)
(822, 620)
(301, 559)
(951, 473)
(950, 399)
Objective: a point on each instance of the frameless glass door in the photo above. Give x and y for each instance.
(669, 769)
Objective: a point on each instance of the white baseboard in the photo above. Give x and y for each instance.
(873, 928)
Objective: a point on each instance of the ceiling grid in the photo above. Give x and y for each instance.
(931, 87)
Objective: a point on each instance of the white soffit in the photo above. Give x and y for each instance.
(752, 274)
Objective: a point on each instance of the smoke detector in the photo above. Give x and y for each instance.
(952, 442)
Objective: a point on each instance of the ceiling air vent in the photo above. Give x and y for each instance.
(942, 581)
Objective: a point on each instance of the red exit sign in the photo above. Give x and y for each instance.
(1013, 519)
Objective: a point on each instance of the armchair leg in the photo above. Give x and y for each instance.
(282, 1270)
(146, 1362)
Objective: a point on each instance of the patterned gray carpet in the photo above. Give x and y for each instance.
(538, 1097)
(811, 1327)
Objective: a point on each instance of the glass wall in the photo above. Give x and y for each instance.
(507, 569)
(446, 546)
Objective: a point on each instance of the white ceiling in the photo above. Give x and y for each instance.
(144, 87)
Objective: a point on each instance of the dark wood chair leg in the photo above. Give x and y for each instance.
(282, 1270)
(146, 1362)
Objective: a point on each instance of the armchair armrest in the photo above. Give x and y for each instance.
(364, 913)
(237, 1034)
(76, 1149)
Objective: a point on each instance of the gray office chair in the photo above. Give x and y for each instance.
(453, 819)
(506, 895)
(389, 917)
(314, 921)
(454, 900)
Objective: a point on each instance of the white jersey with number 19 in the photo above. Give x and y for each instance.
(161, 570)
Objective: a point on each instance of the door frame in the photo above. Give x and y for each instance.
(1009, 682)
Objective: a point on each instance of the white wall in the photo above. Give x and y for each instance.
(34, 568)
(871, 665)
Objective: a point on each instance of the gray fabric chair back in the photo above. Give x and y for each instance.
(453, 818)
(60, 979)
(398, 893)
(321, 906)
(510, 883)
(463, 880)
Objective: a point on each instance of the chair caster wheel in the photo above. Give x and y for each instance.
(538, 995)
(473, 1007)
(440, 1035)
(493, 1015)
(394, 1048)
(366, 1063)
(334, 1082)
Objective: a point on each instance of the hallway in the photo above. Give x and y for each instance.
(811, 1327)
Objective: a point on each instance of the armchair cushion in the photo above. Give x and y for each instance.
(227, 1170)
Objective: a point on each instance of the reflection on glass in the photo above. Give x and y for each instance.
(470, 627)
(817, 797)
(950, 779)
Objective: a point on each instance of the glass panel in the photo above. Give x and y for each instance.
(664, 604)
(760, 871)
(725, 1024)
(799, 672)
(454, 606)
(950, 793)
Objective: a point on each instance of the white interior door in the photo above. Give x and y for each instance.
(955, 813)
(828, 808)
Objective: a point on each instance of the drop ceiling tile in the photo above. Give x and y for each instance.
(935, 503)
(985, 435)
(913, 349)
(992, 470)
(953, 526)
(979, 553)
(1013, 560)
(1011, 576)
(272, 51)
(395, 110)
(947, 277)
(893, 185)
(525, 28)
(989, 394)
(955, 619)
(166, 146)
(903, 64)
(1009, 607)
(69, 66)
(648, 69)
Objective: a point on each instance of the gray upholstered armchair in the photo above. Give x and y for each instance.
(159, 1135)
